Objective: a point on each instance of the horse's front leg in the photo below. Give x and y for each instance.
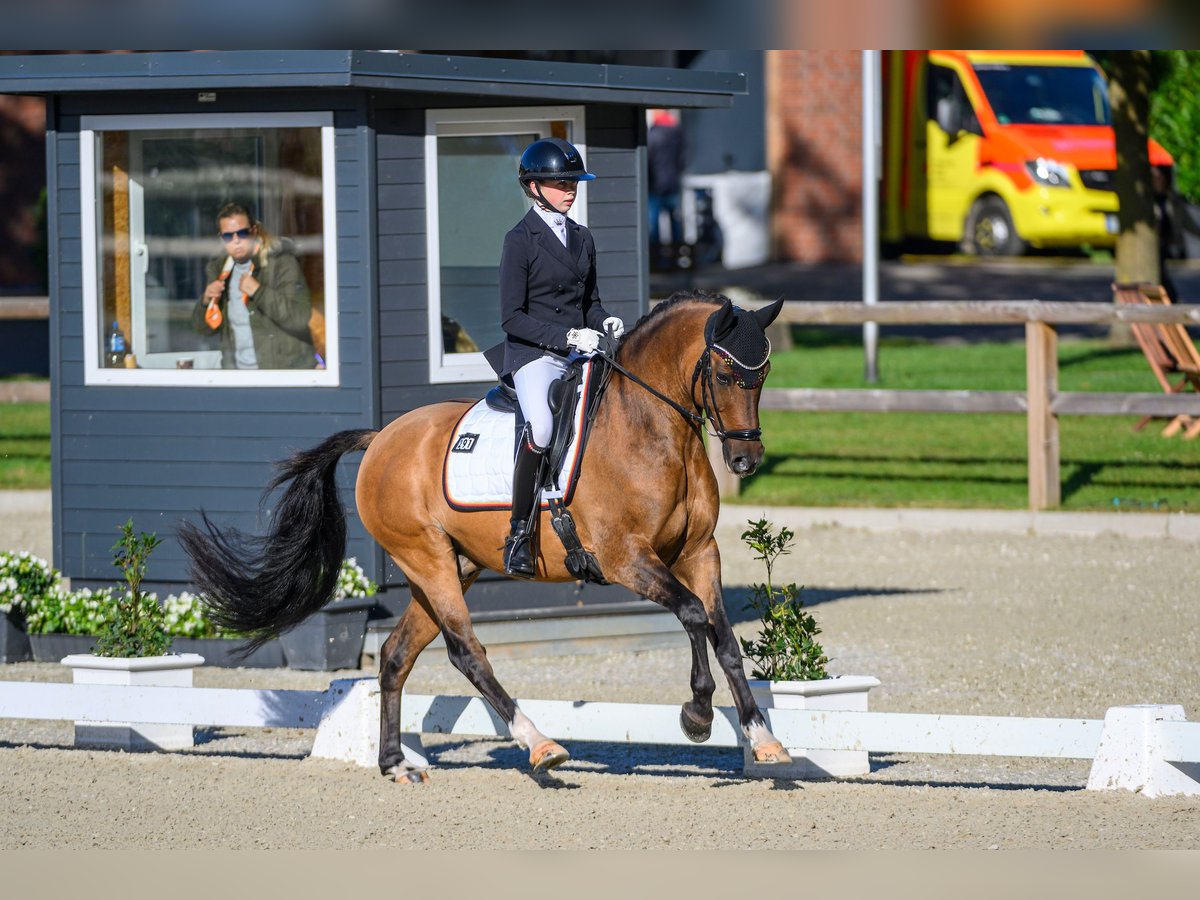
(702, 573)
(646, 574)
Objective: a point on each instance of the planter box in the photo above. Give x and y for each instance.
(846, 692)
(14, 642)
(161, 671)
(222, 652)
(331, 638)
(53, 647)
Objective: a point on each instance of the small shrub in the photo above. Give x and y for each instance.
(135, 626)
(786, 648)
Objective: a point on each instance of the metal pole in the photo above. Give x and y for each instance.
(871, 150)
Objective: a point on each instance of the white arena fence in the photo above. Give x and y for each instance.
(1150, 749)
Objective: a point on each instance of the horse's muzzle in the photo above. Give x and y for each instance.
(743, 457)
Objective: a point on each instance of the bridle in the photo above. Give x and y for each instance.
(710, 412)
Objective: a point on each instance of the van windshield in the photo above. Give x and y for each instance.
(1045, 95)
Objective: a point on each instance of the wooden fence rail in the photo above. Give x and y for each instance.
(1041, 403)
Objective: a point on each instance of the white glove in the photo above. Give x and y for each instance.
(614, 323)
(585, 340)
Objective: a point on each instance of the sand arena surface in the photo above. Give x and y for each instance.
(953, 622)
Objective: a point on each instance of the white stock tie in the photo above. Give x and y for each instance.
(559, 223)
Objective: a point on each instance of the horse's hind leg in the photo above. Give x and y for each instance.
(444, 595)
(412, 634)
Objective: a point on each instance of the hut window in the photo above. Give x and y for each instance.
(171, 195)
(472, 199)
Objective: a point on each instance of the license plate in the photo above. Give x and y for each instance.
(1111, 225)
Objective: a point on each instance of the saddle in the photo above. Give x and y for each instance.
(562, 398)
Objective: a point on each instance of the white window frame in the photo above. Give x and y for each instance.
(90, 200)
(469, 367)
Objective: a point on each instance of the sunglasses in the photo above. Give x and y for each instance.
(241, 233)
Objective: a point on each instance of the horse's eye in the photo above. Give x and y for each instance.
(724, 379)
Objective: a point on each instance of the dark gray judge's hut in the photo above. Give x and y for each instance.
(390, 177)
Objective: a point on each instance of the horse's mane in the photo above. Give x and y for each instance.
(677, 298)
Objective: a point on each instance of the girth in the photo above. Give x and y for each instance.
(561, 398)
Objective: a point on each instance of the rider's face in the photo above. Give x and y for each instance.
(559, 194)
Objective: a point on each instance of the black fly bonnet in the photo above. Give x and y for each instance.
(738, 338)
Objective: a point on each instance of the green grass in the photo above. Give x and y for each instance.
(25, 446)
(962, 460)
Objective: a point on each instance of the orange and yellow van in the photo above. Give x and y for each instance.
(1000, 150)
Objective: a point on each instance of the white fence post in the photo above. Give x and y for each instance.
(1131, 754)
(349, 730)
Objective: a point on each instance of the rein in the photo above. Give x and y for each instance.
(707, 401)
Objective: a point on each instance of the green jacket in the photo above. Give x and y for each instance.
(279, 312)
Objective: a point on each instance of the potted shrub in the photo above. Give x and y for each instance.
(789, 666)
(24, 580)
(131, 649)
(333, 637)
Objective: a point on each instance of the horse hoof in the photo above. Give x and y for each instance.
(547, 755)
(403, 775)
(695, 731)
(771, 753)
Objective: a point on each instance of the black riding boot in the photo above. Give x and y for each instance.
(518, 549)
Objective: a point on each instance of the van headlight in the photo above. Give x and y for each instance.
(1048, 172)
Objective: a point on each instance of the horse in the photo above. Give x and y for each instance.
(645, 505)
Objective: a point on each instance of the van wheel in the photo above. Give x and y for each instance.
(990, 230)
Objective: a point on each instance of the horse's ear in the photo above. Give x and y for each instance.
(723, 320)
(766, 315)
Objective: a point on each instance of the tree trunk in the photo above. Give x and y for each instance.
(1137, 253)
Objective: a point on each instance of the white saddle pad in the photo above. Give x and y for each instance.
(477, 473)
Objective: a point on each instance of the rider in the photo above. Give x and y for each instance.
(549, 308)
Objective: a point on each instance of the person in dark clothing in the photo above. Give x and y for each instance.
(549, 309)
(665, 159)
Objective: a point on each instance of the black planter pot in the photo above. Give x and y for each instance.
(222, 652)
(14, 642)
(330, 639)
(53, 647)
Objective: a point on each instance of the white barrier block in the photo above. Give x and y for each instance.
(1130, 754)
(349, 730)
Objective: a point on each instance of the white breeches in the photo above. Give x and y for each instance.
(533, 382)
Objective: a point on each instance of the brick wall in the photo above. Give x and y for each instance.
(814, 117)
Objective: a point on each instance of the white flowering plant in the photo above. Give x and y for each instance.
(24, 580)
(68, 612)
(30, 587)
(187, 616)
(353, 581)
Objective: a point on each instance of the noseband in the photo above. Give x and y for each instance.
(749, 378)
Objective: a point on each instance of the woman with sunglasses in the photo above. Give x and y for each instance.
(549, 309)
(257, 298)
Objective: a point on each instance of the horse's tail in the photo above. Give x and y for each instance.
(260, 586)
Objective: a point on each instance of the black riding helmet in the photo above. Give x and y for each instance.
(550, 159)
